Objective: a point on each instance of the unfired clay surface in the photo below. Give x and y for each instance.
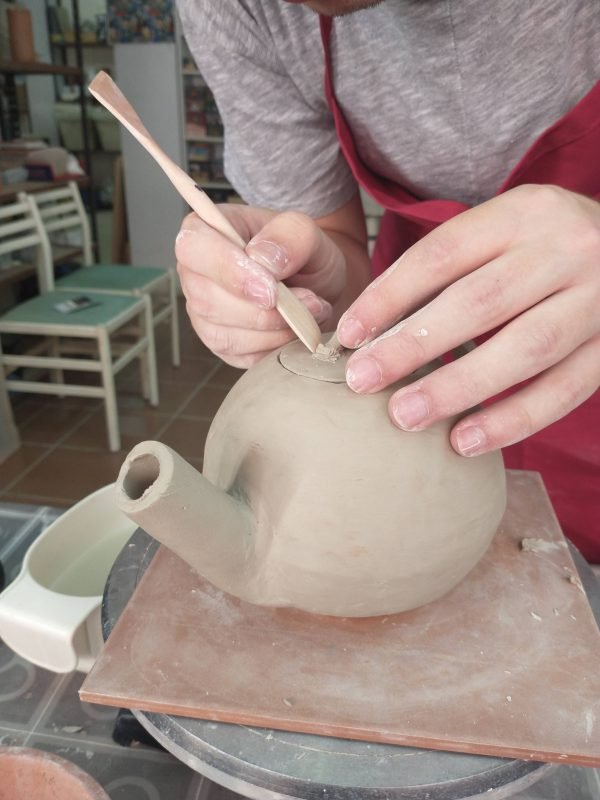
(311, 498)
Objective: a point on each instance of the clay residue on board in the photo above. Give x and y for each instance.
(575, 580)
(533, 545)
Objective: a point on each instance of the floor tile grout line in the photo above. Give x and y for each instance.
(147, 753)
(16, 540)
(60, 683)
(14, 514)
(33, 416)
(51, 448)
(37, 412)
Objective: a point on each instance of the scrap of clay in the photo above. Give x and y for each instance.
(330, 350)
(533, 545)
(326, 353)
(576, 581)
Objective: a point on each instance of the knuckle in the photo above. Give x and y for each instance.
(266, 320)
(199, 304)
(408, 350)
(222, 340)
(541, 195)
(189, 221)
(542, 343)
(183, 277)
(464, 387)
(296, 219)
(199, 298)
(437, 253)
(217, 338)
(586, 237)
(522, 424)
(485, 298)
(569, 394)
(299, 225)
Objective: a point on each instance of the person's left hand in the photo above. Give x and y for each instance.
(527, 260)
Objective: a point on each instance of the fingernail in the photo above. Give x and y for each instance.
(351, 332)
(363, 374)
(470, 440)
(410, 409)
(270, 255)
(259, 291)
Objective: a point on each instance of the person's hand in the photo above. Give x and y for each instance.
(231, 293)
(527, 260)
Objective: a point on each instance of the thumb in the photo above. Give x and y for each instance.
(295, 249)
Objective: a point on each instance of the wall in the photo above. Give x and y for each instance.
(149, 76)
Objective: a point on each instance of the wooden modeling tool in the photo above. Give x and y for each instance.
(294, 312)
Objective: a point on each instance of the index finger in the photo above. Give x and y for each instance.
(454, 249)
(202, 250)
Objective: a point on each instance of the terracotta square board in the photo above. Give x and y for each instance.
(508, 664)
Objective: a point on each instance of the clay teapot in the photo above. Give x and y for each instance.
(311, 498)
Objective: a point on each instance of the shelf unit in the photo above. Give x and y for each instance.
(10, 125)
(96, 53)
(37, 68)
(204, 148)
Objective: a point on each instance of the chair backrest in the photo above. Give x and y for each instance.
(20, 229)
(62, 210)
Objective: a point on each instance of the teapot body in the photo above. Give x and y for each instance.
(351, 516)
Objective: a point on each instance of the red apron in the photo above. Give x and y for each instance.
(567, 154)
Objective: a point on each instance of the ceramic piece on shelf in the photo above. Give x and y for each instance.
(20, 34)
(311, 498)
(29, 773)
(50, 614)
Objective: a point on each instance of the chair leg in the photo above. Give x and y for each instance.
(143, 364)
(56, 375)
(9, 437)
(110, 396)
(151, 371)
(175, 348)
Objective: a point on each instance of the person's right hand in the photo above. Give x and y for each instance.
(231, 293)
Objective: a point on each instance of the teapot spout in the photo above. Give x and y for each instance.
(177, 505)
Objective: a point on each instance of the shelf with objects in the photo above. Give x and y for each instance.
(83, 40)
(203, 132)
(26, 158)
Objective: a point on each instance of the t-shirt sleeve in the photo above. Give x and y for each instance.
(281, 150)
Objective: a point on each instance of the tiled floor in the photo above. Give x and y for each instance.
(64, 454)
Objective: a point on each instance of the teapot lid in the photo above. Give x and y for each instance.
(297, 359)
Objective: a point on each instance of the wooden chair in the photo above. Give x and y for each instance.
(62, 211)
(96, 338)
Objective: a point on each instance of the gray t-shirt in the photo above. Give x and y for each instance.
(442, 96)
